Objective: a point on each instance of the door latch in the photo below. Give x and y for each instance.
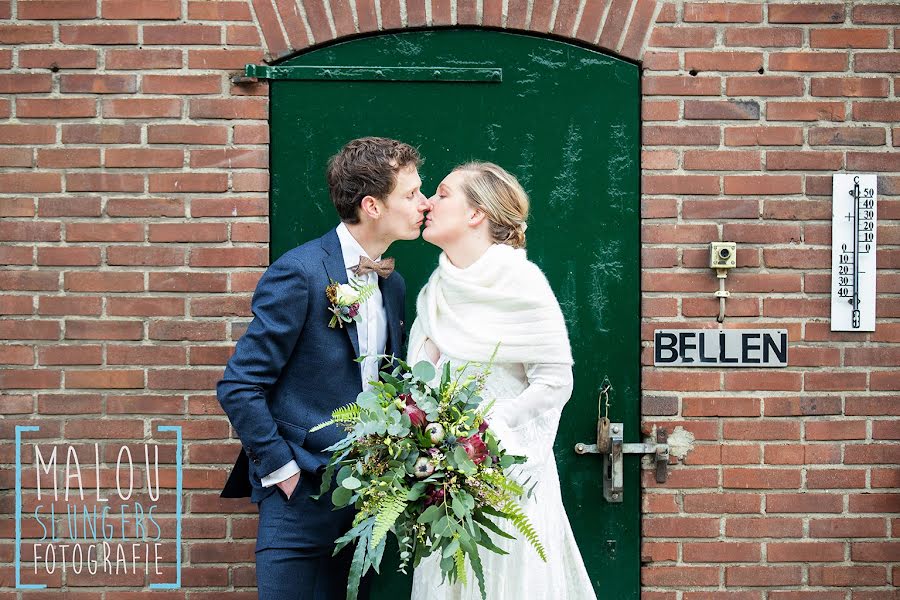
(611, 447)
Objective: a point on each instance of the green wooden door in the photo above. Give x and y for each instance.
(565, 121)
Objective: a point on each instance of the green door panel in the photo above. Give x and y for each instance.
(565, 121)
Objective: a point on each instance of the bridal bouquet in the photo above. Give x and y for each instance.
(423, 464)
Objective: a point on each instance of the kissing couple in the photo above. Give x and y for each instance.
(297, 362)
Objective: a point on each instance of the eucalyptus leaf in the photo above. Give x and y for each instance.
(366, 396)
(443, 527)
(458, 507)
(475, 561)
(429, 514)
(451, 548)
(341, 496)
(473, 529)
(462, 461)
(492, 526)
(351, 483)
(388, 378)
(424, 371)
(427, 404)
(489, 544)
(415, 493)
(447, 565)
(356, 570)
(345, 472)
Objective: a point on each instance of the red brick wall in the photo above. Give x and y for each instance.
(790, 491)
(133, 195)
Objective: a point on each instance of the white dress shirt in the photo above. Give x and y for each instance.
(371, 331)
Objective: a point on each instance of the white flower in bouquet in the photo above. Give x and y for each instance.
(347, 295)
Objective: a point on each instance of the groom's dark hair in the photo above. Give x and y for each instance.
(366, 167)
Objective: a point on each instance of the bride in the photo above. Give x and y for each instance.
(486, 291)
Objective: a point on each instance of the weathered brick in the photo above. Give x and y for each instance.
(848, 38)
(723, 61)
(879, 14)
(805, 111)
(764, 86)
(144, 10)
(98, 34)
(680, 85)
(719, 110)
(182, 34)
(715, 12)
(808, 61)
(877, 62)
(805, 13)
(764, 37)
(682, 37)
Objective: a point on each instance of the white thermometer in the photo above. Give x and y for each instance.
(853, 224)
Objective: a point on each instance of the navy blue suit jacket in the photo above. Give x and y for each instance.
(290, 370)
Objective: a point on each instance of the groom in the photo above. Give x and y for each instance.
(290, 369)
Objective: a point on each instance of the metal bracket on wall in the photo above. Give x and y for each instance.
(419, 74)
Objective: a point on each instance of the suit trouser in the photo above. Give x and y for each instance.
(295, 544)
(284, 574)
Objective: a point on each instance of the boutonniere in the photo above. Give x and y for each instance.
(345, 299)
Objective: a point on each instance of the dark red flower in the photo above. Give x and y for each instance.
(354, 310)
(483, 427)
(435, 496)
(475, 448)
(416, 415)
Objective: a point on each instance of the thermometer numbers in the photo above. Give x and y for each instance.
(853, 252)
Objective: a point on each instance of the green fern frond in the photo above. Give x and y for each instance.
(520, 521)
(345, 414)
(365, 291)
(386, 515)
(459, 558)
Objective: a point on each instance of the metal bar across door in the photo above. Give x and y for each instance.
(334, 73)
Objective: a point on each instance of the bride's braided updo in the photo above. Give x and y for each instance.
(499, 195)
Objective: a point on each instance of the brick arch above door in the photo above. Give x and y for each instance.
(618, 27)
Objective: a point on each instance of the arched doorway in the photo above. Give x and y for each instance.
(562, 118)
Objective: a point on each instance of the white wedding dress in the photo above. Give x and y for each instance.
(528, 400)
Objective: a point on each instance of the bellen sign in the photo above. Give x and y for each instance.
(720, 347)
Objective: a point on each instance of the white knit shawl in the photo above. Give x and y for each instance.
(502, 297)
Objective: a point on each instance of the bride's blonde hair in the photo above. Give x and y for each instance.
(493, 190)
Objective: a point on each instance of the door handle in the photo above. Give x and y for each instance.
(611, 447)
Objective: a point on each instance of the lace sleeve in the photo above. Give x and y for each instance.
(549, 388)
(526, 424)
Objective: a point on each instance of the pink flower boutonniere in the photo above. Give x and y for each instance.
(345, 299)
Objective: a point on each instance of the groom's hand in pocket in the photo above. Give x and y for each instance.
(289, 485)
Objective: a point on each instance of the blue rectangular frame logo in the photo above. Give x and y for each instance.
(178, 510)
